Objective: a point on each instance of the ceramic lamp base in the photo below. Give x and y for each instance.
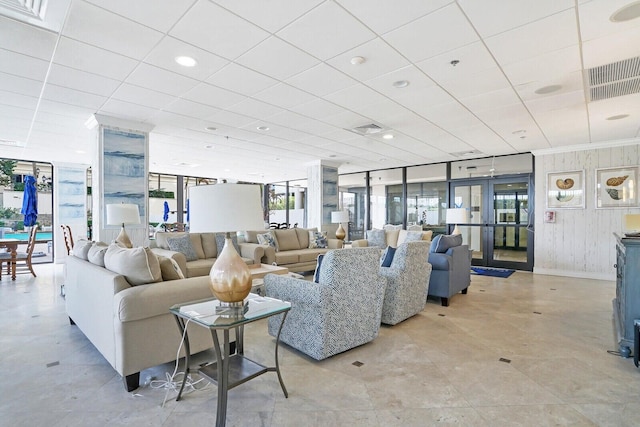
(230, 278)
(124, 239)
(340, 233)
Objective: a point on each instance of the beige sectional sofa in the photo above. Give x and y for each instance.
(292, 248)
(206, 248)
(130, 325)
(391, 237)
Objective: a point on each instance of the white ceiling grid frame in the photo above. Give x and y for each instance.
(142, 96)
(85, 57)
(81, 80)
(242, 79)
(213, 96)
(157, 14)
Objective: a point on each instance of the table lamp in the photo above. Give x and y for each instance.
(227, 208)
(457, 216)
(632, 225)
(338, 217)
(123, 214)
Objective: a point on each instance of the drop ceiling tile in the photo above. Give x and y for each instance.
(66, 109)
(277, 59)
(73, 97)
(419, 83)
(163, 56)
(217, 30)
(546, 35)
(230, 119)
(326, 31)
(611, 48)
(157, 14)
(318, 109)
(595, 19)
(98, 27)
(213, 96)
(346, 120)
(142, 96)
(438, 32)
(569, 83)
(356, 97)
(22, 65)
(81, 80)
(254, 108)
(271, 15)
(549, 66)
(26, 39)
(126, 110)
(301, 123)
(380, 59)
(18, 100)
(385, 15)
(473, 58)
(321, 80)
(160, 80)
(241, 79)
(560, 101)
(284, 96)
(20, 85)
(489, 100)
(84, 57)
(488, 80)
(491, 17)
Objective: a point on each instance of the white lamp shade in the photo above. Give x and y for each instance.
(338, 217)
(122, 214)
(632, 222)
(225, 208)
(457, 216)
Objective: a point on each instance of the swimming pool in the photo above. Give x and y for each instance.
(25, 236)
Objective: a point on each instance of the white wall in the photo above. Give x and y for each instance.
(580, 243)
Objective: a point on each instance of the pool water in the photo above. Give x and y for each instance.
(25, 236)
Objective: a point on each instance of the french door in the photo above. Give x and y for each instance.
(500, 227)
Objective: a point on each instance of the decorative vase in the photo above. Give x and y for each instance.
(230, 278)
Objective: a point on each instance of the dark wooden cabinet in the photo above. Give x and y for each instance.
(626, 305)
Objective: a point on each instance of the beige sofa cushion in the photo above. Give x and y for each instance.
(138, 265)
(209, 246)
(288, 239)
(303, 236)
(81, 249)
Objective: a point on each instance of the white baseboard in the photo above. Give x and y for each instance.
(578, 274)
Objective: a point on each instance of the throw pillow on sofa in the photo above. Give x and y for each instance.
(377, 238)
(413, 236)
(96, 253)
(81, 249)
(220, 240)
(183, 245)
(169, 269)
(442, 243)
(387, 257)
(137, 265)
(267, 239)
(317, 240)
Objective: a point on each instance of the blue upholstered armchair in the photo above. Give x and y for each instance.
(408, 281)
(340, 312)
(451, 271)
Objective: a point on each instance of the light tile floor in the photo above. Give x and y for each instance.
(441, 367)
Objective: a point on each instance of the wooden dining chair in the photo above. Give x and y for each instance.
(68, 238)
(23, 259)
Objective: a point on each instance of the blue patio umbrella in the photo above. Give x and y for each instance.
(165, 217)
(29, 201)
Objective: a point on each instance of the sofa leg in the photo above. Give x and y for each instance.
(464, 291)
(444, 302)
(132, 382)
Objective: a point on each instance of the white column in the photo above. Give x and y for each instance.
(322, 195)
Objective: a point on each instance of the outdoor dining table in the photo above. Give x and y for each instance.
(12, 245)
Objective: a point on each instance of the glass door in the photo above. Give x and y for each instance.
(499, 227)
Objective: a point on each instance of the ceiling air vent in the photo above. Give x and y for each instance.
(615, 79)
(466, 153)
(370, 129)
(10, 143)
(30, 8)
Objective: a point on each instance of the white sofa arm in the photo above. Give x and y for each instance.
(176, 256)
(362, 243)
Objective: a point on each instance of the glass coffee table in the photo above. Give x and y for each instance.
(231, 367)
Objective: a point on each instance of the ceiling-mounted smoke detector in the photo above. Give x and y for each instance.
(368, 129)
(615, 79)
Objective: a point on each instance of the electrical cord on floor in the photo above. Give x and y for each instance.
(173, 381)
(617, 353)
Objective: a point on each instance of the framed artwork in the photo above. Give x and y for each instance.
(617, 187)
(124, 174)
(550, 216)
(565, 190)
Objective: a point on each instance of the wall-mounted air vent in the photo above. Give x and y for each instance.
(615, 79)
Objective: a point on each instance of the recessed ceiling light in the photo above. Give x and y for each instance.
(618, 117)
(387, 136)
(263, 128)
(548, 89)
(186, 61)
(208, 146)
(332, 155)
(400, 84)
(277, 158)
(626, 13)
(211, 128)
(357, 60)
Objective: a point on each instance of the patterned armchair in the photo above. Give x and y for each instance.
(341, 312)
(408, 282)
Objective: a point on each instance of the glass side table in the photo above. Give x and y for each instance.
(231, 367)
